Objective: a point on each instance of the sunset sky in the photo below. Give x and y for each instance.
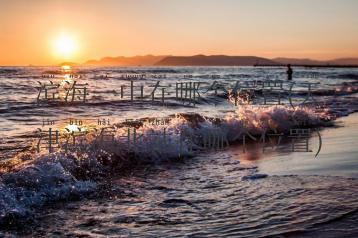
(43, 32)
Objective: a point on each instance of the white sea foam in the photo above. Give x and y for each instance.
(60, 176)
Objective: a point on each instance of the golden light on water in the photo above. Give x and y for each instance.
(66, 67)
(71, 128)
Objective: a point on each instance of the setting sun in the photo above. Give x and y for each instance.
(65, 46)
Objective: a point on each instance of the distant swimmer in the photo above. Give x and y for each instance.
(289, 72)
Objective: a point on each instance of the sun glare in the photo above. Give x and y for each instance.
(65, 46)
(66, 68)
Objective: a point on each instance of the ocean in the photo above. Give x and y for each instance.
(178, 151)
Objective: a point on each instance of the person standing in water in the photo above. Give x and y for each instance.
(289, 72)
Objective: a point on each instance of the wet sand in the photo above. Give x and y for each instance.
(338, 156)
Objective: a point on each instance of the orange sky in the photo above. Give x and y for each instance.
(320, 29)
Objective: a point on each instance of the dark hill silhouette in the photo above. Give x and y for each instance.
(295, 61)
(68, 64)
(214, 60)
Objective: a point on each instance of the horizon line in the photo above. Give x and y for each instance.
(164, 55)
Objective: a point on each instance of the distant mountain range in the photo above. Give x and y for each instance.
(213, 60)
(341, 61)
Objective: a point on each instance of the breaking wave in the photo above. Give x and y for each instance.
(30, 181)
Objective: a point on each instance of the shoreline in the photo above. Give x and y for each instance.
(121, 194)
(337, 157)
(253, 170)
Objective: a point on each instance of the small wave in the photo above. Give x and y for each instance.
(35, 185)
(175, 202)
(254, 176)
(29, 181)
(8, 71)
(347, 76)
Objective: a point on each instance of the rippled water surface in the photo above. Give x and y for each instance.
(21, 115)
(212, 194)
(221, 194)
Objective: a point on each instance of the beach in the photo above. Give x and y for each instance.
(337, 158)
